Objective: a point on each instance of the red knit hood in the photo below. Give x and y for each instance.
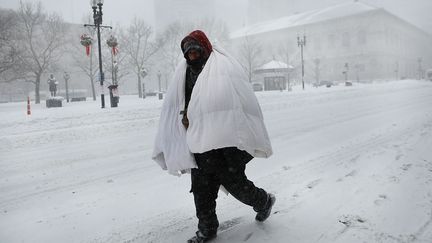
(201, 38)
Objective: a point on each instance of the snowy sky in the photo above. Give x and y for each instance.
(121, 12)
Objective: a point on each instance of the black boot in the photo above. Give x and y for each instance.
(201, 238)
(265, 213)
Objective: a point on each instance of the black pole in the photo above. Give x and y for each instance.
(66, 77)
(112, 80)
(100, 57)
(97, 16)
(67, 91)
(159, 77)
(301, 43)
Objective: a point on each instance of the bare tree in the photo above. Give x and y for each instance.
(171, 51)
(8, 48)
(140, 47)
(84, 62)
(285, 52)
(250, 51)
(42, 37)
(216, 30)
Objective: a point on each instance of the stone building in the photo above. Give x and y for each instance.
(368, 43)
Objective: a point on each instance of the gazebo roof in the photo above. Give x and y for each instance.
(274, 66)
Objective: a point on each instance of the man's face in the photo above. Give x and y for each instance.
(193, 55)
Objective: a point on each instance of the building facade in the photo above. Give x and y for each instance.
(367, 43)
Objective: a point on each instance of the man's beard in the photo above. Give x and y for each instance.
(197, 63)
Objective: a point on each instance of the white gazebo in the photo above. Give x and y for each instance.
(274, 75)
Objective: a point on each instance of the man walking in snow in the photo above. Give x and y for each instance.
(211, 125)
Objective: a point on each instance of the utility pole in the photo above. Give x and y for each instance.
(346, 71)
(301, 43)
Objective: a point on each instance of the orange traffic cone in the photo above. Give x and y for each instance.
(28, 106)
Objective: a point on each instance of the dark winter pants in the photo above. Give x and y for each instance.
(225, 167)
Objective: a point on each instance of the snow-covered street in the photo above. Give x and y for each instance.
(350, 164)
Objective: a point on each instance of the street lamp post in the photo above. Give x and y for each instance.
(97, 18)
(112, 43)
(66, 77)
(346, 71)
(159, 78)
(397, 70)
(113, 88)
(301, 43)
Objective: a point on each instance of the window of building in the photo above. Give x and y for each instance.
(360, 67)
(346, 42)
(361, 37)
(331, 40)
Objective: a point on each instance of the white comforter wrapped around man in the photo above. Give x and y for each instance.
(223, 112)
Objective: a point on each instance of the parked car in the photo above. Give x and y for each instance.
(326, 83)
(151, 93)
(429, 74)
(257, 86)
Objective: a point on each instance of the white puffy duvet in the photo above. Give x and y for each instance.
(223, 112)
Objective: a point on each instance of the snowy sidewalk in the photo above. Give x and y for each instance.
(350, 164)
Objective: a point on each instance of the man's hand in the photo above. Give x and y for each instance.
(185, 120)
